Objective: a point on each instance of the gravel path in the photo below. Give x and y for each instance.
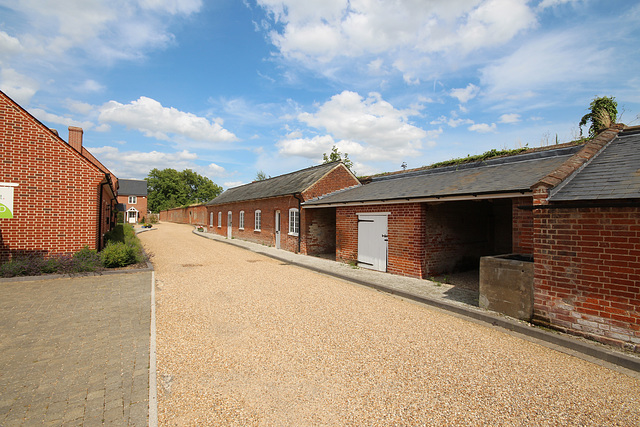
(243, 339)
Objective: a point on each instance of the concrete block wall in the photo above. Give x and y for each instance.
(56, 204)
(587, 272)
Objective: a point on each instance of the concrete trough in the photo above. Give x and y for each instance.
(506, 285)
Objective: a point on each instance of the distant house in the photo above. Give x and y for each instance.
(132, 197)
(55, 197)
(269, 211)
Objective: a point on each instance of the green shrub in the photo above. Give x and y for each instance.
(37, 263)
(120, 255)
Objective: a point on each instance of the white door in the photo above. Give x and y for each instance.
(277, 228)
(229, 216)
(372, 241)
(133, 217)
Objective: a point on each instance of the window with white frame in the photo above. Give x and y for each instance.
(219, 219)
(241, 221)
(133, 200)
(294, 222)
(258, 220)
(210, 219)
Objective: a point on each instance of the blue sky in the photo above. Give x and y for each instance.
(228, 88)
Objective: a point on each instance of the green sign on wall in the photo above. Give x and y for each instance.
(6, 199)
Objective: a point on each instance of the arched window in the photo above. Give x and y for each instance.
(241, 221)
(219, 219)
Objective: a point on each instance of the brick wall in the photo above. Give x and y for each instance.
(338, 178)
(522, 219)
(587, 272)
(57, 201)
(406, 245)
(196, 215)
(320, 231)
(459, 233)
(266, 235)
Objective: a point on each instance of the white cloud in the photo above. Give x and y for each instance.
(509, 118)
(232, 184)
(311, 148)
(368, 129)
(371, 120)
(78, 106)
(545, 62)
(44, 116)
(483, 127)
(216, 170)
(553, 3)
(466, 94)
(137, 164)
(18, 86)
(153, 120)
(319, 31)
(102, 30)
(9, 44)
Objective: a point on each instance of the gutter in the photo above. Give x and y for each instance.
(484, 196)
(300, 201)
(584, 204)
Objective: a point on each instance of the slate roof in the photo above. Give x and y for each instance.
(502, 175)
(614, 173)
(132, 187)
(291, 183)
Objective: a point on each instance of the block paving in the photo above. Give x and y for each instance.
(75, 351)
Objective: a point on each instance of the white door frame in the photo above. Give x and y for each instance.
(373, 240)
(229, 224)
(129, 218)
(277, 229)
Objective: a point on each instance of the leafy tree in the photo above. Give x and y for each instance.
(261, 176)
(168, 188)
(336, 156)
(603, 112)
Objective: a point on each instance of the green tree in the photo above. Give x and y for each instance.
(168, 188)
(336, 156)
(603, 112)
(261, 176)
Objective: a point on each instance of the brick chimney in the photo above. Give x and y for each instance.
(75, 138)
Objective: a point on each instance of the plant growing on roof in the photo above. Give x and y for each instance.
(603, 112)
(337, 156)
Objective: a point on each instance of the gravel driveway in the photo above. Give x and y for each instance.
(243, 339)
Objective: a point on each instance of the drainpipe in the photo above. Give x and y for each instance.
(300, 200)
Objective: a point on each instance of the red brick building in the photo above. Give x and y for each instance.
(587, 242)
(132, 199)
(428, 222)
(63, 198)
(269, 212)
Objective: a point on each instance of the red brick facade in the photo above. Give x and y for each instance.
(63, 200)
(266, 234)
(195, 214)
(406, 241)
(427, 239)
(316, 229)
(587, 272)
(140, 205)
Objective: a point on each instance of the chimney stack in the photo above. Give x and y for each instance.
(75, 138)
